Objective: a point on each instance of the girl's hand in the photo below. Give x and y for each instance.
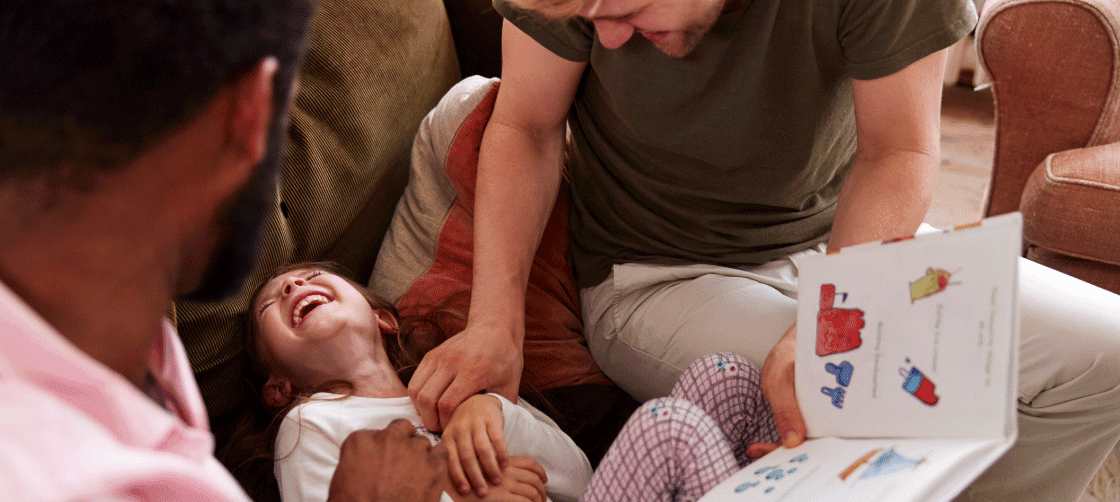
(524, 482)
(476, 445)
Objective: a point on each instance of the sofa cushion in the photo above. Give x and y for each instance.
(1071, 201)
(426, 259)
(372, 71)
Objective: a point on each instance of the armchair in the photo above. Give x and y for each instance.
(1055, 72)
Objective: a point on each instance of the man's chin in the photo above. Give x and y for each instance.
(679, 45)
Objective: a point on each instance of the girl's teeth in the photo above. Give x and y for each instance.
(296, 317)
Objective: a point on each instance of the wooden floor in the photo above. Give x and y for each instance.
(967, 146)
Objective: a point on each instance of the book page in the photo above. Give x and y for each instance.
(868, 470)
(913, 338)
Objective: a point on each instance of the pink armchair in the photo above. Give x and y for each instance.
(1055, 71)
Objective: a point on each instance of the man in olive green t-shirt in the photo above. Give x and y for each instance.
(708, 154)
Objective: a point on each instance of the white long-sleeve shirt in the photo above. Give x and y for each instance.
(310, 439)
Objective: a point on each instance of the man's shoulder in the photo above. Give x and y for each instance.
(41, 412)
(47, 446)
(53, 451)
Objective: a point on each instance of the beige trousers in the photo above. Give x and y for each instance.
(646, 323)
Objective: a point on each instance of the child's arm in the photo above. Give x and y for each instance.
(487, 429)
(476, 444)
(531, 433)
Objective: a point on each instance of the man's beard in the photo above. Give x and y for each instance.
(685, 41)
(241, 218)
(683, 45)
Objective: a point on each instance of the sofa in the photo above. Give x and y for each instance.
(1054, 67)
(373, 69)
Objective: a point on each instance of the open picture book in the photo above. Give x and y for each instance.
(906, 370)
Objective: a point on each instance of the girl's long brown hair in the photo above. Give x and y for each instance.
(251, 450)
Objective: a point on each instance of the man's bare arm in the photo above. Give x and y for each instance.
(898, 129)
(887, 194)
(518, 178)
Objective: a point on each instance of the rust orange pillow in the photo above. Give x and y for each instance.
(426, 260)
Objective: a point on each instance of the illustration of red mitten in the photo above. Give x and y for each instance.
(837, 329)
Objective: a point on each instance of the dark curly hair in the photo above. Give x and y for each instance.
(89, 84)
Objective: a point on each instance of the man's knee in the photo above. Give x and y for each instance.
(1084, 372)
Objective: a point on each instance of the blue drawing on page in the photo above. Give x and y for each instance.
(776, 474)
(836, 394)
(800, 458)
(888, 463)
(743, 487)
(843, 372)
(764, 469)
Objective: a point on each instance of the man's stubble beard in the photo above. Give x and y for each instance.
(241, 218)
(690, 37)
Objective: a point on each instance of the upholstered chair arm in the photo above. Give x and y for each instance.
(1071, 209)
(1054, 71)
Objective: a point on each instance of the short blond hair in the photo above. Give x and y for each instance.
(553, 9)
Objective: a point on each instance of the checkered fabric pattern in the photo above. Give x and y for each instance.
(729, 389)
(668, 451)
(677, 448)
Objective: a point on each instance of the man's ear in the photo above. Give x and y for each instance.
(277, 391)
(251, 114)
(387, 322)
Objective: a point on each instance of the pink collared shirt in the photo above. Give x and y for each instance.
(72, 429)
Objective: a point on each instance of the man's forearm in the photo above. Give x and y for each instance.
(884, 197)
(518, 181)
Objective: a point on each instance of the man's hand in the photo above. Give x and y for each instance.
(778, 387)
(390, 465)
(477, 359)
(476, 444)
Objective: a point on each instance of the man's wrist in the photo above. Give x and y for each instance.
(495, 326)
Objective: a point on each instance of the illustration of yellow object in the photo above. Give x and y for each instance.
(935, 281)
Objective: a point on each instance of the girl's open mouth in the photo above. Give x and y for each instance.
(304, 307)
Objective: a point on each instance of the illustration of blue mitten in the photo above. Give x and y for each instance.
(843, 372)
(836, 394)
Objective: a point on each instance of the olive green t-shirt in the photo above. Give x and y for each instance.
(734, 155)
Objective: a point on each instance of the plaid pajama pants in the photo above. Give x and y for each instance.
(677, 448)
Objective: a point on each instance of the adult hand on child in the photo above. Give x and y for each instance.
(778, 388)
(477, 359)
(389, 465)
(476, 444)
